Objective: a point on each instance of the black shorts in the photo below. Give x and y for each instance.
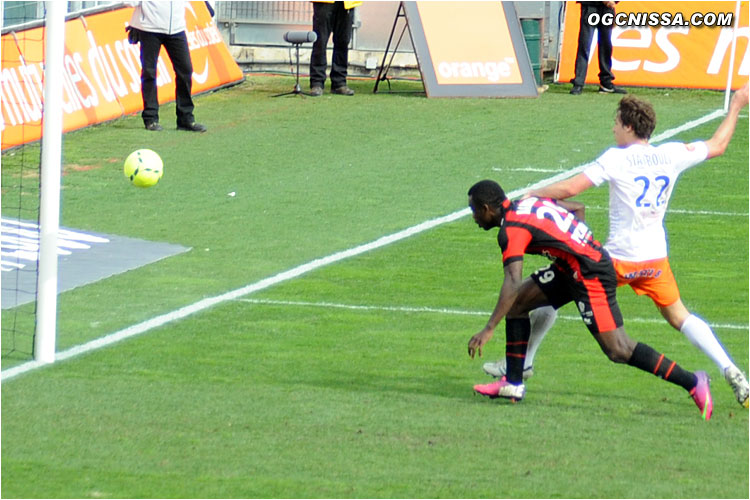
(594, 294)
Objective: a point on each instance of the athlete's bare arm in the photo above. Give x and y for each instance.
(564, 189)
(508, 293)
(720, 140)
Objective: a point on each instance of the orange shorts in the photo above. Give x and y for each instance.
(651, 277)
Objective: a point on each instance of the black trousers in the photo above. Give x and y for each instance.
(330, 18)
(177, 48)
(585, 35)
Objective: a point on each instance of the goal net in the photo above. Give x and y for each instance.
(30, 178)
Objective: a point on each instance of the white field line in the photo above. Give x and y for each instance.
(295, 272)
(529, 169)
(707, 212)
(667, 134)
(441, 310)
(685, 212)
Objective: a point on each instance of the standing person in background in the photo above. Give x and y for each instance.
(585, 35)
(155, 24)
(331, 18)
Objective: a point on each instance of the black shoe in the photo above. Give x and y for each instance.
(343, 90)
(316, 91)
(611, 90)
(154, 127)
(576, 90)
(193, 127)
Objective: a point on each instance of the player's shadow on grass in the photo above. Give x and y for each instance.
(457, 388)
(419, 385)
(613, 402)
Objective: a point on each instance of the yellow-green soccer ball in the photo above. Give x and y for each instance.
(144, 168)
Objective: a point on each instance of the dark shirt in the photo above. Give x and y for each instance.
(541, 227)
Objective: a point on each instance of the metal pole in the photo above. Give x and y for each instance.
(383, 69)
(730, 74)
(51, 166)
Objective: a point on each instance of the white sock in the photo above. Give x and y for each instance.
(542, 320)
(701, 336)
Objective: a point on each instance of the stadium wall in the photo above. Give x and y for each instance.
(254, 33)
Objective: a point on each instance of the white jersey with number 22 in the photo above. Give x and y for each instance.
(641, 178)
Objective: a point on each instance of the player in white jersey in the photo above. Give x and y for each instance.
(641, 178)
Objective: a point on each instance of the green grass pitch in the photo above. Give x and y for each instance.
(353, 380)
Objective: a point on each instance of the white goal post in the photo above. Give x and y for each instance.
(51, 171)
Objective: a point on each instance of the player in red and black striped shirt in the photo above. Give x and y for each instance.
(581, 271)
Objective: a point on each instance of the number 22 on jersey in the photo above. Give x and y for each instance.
(563, 219)
(660, 182)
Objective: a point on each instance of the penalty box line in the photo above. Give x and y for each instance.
(300, 270)
(441, 310)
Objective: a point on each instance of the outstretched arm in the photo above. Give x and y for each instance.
(508, 293)
(720, 140)
(564, 189)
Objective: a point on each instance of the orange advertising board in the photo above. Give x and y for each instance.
(493, 58)
(470, 49)
(677, 44)
(101, 78)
